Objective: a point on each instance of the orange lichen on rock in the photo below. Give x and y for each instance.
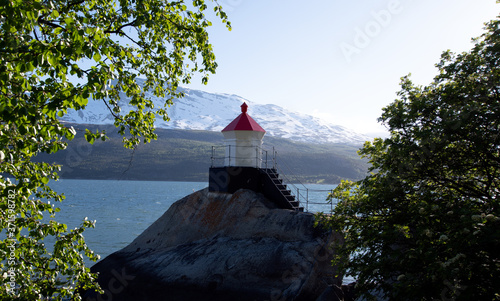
(212, 215)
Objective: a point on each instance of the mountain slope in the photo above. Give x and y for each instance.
(205, 111)
(185, 155)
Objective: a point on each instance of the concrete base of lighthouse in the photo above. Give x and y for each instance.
(229, 179)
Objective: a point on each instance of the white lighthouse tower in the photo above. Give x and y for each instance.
(243, 141)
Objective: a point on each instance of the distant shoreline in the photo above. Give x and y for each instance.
(172, 180)
(181, 155)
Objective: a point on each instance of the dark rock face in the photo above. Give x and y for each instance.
(214, 246)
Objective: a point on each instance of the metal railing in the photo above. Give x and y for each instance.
(301, 191)
(230, 155)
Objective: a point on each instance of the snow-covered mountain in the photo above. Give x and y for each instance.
(200, 110)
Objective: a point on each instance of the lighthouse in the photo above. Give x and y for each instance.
(244, 165)
(241, 167)
(243, 141)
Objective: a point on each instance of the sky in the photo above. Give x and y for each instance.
(338, 60)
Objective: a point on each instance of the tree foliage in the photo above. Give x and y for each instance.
(425, 224)
(55, 56)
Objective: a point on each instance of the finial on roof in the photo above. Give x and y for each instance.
(244, 107)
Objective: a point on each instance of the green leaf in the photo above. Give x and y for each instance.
(51, 59)
(97, 57)
(89, 136)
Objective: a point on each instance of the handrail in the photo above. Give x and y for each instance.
(221, 153)
(261, 155)
(299, 194)
(282, 194)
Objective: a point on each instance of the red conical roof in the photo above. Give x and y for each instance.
(243, 122)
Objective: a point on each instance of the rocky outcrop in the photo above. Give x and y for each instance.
(214, 246)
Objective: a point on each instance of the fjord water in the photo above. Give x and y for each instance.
(124, 209)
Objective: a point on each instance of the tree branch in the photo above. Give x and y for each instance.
(51, 24)
(135, 42)
(119, 29)
(36, 35)
(111, 111)
(180, 26)
(129, 162)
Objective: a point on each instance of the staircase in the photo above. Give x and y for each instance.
(277, 191)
